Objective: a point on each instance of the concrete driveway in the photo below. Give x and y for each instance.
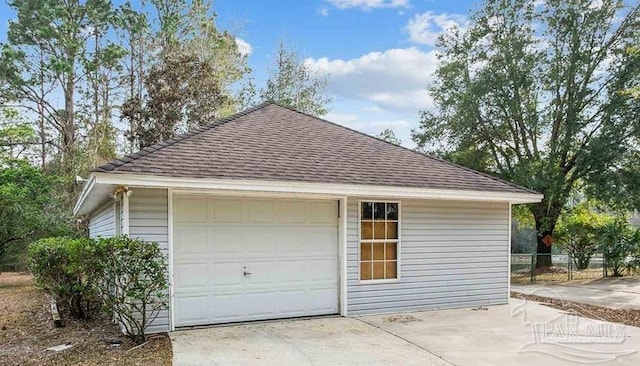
(522, 333)
(615, 293)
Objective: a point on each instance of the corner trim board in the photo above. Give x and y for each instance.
(172, 307)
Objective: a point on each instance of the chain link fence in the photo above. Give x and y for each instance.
(565, 268)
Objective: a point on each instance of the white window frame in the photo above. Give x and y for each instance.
(398, 244)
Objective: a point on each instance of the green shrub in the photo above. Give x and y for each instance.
(130, 278)
(578, 233)
(619, 242)
(56, 264)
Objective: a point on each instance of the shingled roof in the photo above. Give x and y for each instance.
(274, 143)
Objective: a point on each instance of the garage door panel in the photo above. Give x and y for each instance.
(295, 244)
(293, 260)
(262, 272)
(260, 211)
(191, 310)
(290, 212)
(321, 270)
(191, 241)
(226, 274)
(294, 272)
(322, 212)
(191, 276)
(258, 241)
(224, 243)
(292, 302)
(226, 306)
(227, 211)
(260, 304)
(321, 301)
(191, 210)
(321, 241)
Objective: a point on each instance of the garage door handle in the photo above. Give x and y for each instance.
(247, 274)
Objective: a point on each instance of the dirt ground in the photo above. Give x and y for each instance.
(622, 316)
(26, 331)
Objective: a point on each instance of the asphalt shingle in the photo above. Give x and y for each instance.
(272, 142)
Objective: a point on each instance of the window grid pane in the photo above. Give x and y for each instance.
(379, 239)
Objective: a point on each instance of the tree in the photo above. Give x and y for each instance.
(135, 35)
(47, 46)
(634, 91)
(523, 232)
(190, 82)
(578, 232)
(29, 206)
(17, 137)
(619, 242)
(294, 84)
(533, 94)
(389, 136)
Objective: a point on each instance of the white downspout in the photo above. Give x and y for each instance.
(125, 211)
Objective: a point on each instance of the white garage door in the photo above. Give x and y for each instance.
(239, 259)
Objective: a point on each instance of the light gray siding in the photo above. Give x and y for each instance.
(102, 221)
(452, 254)
(148, 220)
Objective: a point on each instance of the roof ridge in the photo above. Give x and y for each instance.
(118, 162)
(411, 150)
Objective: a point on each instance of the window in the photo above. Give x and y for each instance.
(379, 240)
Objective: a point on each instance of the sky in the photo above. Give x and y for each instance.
(378, 55)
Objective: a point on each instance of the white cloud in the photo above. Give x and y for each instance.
(398, 124)
(596, 4)
(373, 109)
(244, 47)
(342, 118)
(324, 11)
(426, 27)
(394, 80)
(368, 4)
(372, 127)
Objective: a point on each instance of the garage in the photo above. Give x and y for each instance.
(244, 258)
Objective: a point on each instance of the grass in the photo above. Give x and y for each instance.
(26, 331)
(523, 278)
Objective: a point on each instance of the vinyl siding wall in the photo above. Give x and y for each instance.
(452, 254)
(148, 220)
(102, 221)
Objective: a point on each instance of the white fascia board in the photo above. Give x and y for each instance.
(149, 181)
(86, 190)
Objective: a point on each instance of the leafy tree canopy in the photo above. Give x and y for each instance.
(389, 136)
(578, 231)
(16, 136)
(191, 79)
(29, 208)
(52, 48)
(535, 94)
(294, 84)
